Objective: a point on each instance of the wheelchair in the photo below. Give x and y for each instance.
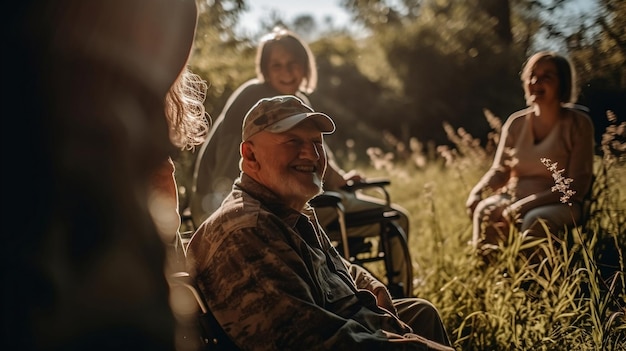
(368, 250)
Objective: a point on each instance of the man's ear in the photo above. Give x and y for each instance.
(247, 152)
(248, 158)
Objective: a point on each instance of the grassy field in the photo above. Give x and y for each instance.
(575, 299)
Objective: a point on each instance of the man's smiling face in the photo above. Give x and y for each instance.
(291, 164)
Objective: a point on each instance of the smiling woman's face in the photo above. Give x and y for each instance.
(284, 72)
(543, 83)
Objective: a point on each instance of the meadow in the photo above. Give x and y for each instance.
(574, 299)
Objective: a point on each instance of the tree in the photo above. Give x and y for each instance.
(599, 48)
(219, 55)
(358, 103)
(452, 59)
(599, 52)
(420, 63)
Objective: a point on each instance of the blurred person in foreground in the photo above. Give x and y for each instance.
(285, 65)
(85, 263)
(268, 271)
(518, 188)
(189, 124)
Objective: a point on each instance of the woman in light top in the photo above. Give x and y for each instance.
(518, 186)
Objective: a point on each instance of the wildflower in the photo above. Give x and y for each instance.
(380, 159)
(446, 153)
(613, 140)
(562, 184)
(510, 159)
(494, 122)
(417, 152)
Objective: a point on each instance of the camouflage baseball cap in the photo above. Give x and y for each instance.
(281, 113)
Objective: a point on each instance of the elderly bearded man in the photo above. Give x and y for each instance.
(268, 271)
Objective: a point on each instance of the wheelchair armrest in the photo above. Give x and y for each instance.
(381, 183)
(367, 183)
(326, 199)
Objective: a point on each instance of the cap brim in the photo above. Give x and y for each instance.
(324, 123)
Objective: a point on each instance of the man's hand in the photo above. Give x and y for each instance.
(364, 280)
(384, 300)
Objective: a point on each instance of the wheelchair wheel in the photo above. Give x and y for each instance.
(399, 280)
(380, 256)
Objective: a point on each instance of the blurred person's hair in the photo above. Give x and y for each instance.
(187, 118)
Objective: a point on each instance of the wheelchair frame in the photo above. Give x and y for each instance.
(388, 230)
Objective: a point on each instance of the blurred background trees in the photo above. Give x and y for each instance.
(405, 67)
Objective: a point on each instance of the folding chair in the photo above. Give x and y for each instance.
(361, 251)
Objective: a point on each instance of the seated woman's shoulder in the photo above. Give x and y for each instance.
(579, 113)
(581, 109)
(517, 117)
(520, 113)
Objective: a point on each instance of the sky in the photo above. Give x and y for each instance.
(290, 9)
(320, 9)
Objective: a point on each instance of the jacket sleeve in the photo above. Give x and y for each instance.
(500, 171)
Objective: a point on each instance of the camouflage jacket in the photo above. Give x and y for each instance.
(273, 280)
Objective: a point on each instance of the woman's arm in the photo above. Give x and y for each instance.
(500, 171)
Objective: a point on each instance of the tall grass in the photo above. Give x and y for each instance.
(574, 298)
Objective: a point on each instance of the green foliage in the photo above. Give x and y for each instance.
(597, 45)
(596, 41)
(222, 59)
(415, 65)
(343, 89)
(450, 59)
